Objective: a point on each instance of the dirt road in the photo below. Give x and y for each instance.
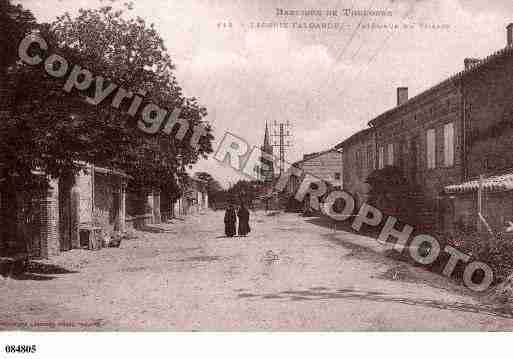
(291, 273)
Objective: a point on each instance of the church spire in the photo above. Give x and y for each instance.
(267, 172)
(267, 143)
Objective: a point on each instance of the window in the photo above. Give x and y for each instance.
(370, 157)
(381, 157)
(363, 159)
(449, 144)
(357, 162)
(337, 176)
(430, 149)
(390, 153)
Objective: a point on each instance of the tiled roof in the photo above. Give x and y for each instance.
(355, 137)
(508, 50)
(500, 183)
(317, 154)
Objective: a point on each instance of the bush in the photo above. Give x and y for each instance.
(496, 252)
(389, 191)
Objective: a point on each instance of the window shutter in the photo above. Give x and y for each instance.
(431, 156)
(449, 144)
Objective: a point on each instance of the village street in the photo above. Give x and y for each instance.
(291, 273)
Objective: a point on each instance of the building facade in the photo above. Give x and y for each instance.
(73, 211)
(449, 134)
(486, 190)
(423, 136)
(326, 166)
(358, 163)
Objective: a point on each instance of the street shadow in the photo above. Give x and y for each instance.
(316, 293)
(46, 268)
(19, 270)
(200, 259)
(329, 223)
(152, 229)
(30, 276)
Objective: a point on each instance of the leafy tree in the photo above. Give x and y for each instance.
(47, 130)
(132, 54)
(213, 184)
(245, 191)
(15, 23)
(215, 191)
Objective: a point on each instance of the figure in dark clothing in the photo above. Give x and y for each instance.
(230, 219)
(243, 215)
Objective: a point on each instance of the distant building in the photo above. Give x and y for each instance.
(194, 199)
(326, 166)
(358, 162)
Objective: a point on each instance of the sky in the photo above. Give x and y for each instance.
(327, 83)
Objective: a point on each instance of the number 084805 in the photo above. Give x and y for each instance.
(20, 349)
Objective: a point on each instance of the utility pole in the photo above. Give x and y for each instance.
(281, 133)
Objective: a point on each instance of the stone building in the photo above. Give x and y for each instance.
(74, 210)
(101, 196)
(423, 137)
(326, 166)
(358, 162)
(487, 117)
(449, 134)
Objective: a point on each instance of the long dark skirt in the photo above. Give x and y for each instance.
(244, 228)
(243, 215)
(229, 229)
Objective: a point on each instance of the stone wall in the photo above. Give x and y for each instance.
(359, 161)
(84, 184)
(489, 111)
(497, 209)
(406, 129)
(106, 201)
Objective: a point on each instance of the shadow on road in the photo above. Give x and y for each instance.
(30, 271)
(152, 229)
(321, 293)
(345, 226)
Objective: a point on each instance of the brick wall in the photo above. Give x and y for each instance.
(359, 161)
(489, 109)
(84, 185)
(407, 129)
(50, 238)
(497, 209)
(106, 209)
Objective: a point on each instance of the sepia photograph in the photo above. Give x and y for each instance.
(255, 166)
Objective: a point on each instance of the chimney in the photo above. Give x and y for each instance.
(402, 95)
(509, 31)
(470, 62)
